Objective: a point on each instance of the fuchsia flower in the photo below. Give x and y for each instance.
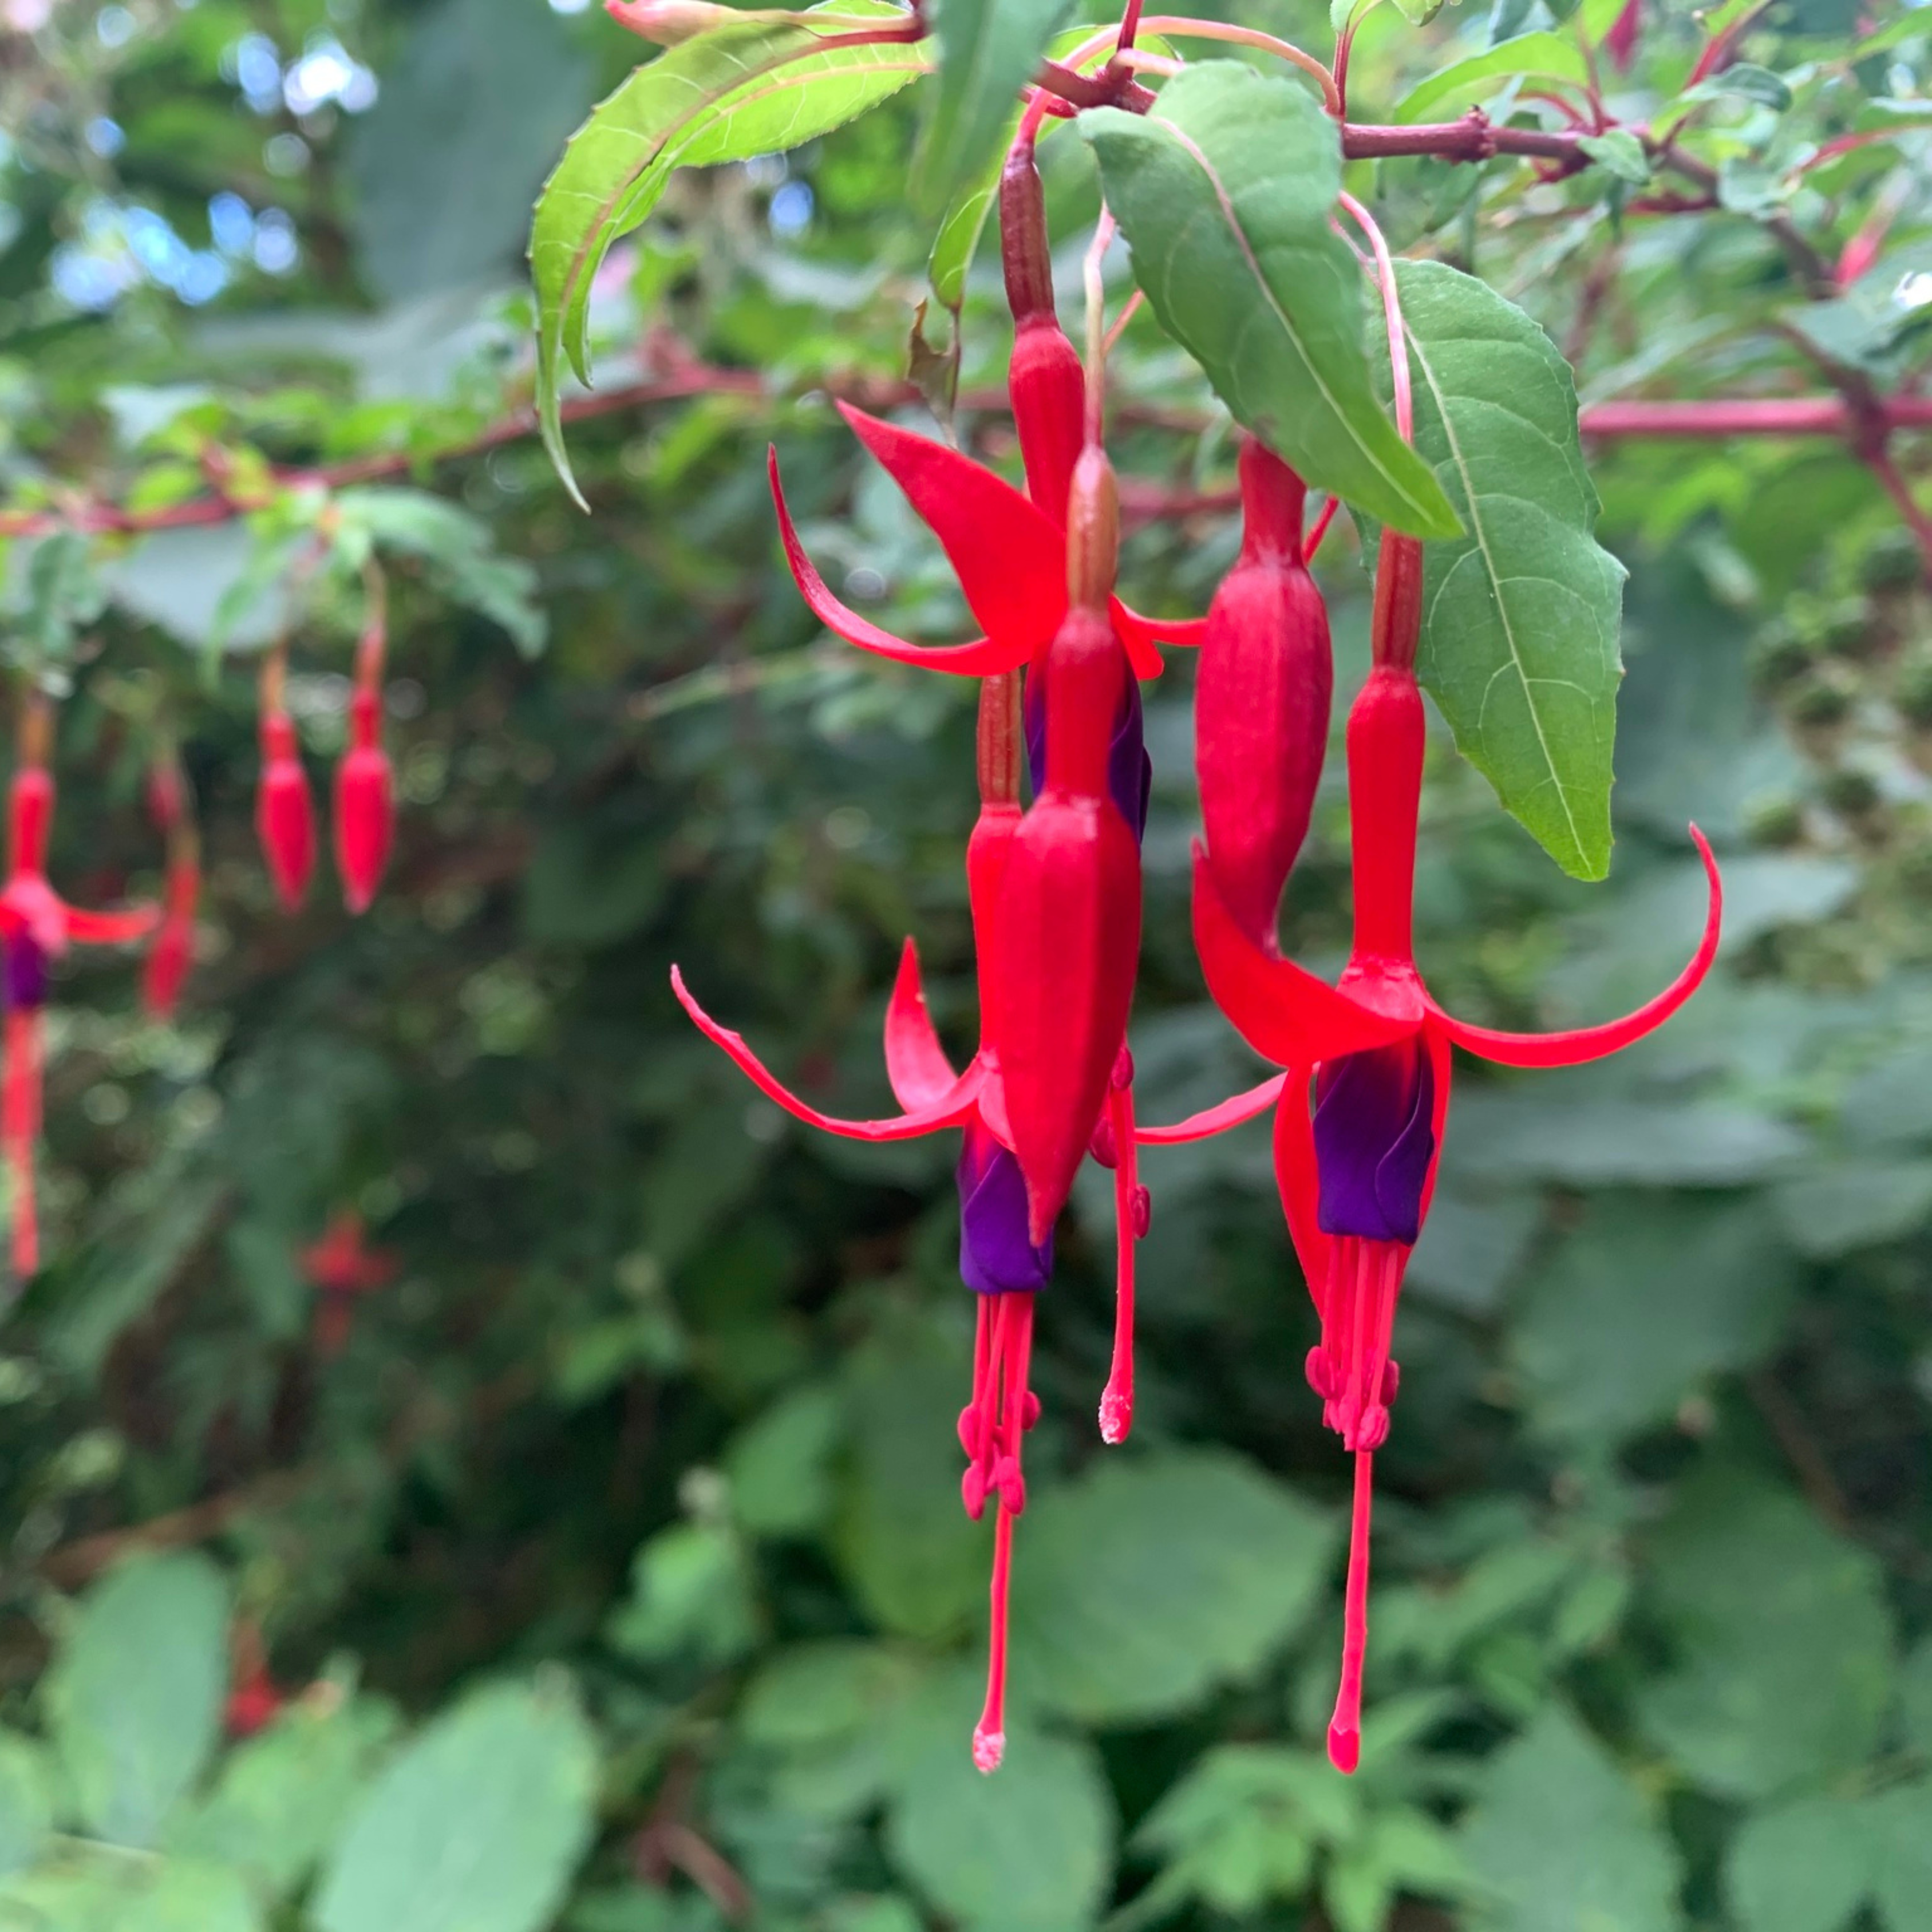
(365, 804)
(172, 952)
(284, 811)
(1356, 1178)
(37, 925)
(342, 1267)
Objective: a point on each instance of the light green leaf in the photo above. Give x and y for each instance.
(192, 1897)
(1520, 615)
(742, 89)
(957, 240)
(1224, 194)
(691, 1595)
(1548, 56)
(1915, 1698)
(476, 1827)
(1783, 1642)
(1900, 1823)
(134, 1696)
(1803, 1867)
(26, 1802)
(284, 1795)
(1618, 152)
(1562, 1839)
(1150, 1582)
(1028, 1849)
(988, 49)
(1644, 1296)
(779, 1466)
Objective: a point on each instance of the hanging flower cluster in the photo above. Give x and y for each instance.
(1054, 888)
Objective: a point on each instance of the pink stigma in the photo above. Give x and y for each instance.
(1345, 1748)
(989, 1747)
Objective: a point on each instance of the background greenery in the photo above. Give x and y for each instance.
(614, 1570)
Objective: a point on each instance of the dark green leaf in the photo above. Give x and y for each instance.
(1547, 56)
(1224, 194)
(1520, 615)
(1802, 1867)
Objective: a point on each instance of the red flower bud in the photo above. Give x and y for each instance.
(1067, 938)
(284, 813)
(365, 806)
(1261, 701)
(31, 816)
(172, 952)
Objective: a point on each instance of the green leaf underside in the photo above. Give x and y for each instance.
(1547, 56)
(1521, 615)
(1225, 195)
(725, 96)
(987, 50)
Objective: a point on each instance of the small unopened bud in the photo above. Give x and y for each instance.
(1024, 254)
(1092, 531)
(666, 23)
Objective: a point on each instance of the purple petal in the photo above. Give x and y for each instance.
(1375, 1138)
(23, 976)
(995, 1257)
(1130, 770)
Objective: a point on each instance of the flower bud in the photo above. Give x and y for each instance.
(284, 812)
(1262, 700)
(1092, 531)
(365, 809)
(666, 23)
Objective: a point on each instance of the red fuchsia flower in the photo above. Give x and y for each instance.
(37, 925)
(1356, 1178)
(284, 811)
(1620, 42)
(173, 951)
(342, 1268)
(365, 801)
(254, 1702)
(1262, 691)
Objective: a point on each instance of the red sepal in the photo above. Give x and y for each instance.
(915, 1062)
(1229, 1113)
(1048, 390)
(1573, 1048)
(948, 1111)
(285, 812)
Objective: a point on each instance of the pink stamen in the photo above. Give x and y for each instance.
(989, 1734)
(20, 1125)
(1345, 1728)
(1116, 1401)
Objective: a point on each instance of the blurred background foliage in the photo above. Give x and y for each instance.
(611, 1575)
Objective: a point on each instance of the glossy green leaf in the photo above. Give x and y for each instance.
(134, 1697)
(1224, 194)
(1561, 1838)
(1520, 615)
(958, 240)
(1783, 1640)
(1547, 56)
(1801, 1867)
(740, 90)
(476, 1827)
(1151, 1581)
(988, 49)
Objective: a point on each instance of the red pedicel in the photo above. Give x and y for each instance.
(365, 804)
(285, 812)
(1262, 699)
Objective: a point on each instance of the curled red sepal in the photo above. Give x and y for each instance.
(1582, 1044)
(365, 803)
(915, 1063)
(948, 1110)
(1217, 1119)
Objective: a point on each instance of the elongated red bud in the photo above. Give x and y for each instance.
(173, 950)
(1045, 381)
(284, 812)
(1261, 700)
(30, 818)
(1066, 937)
(365, 807)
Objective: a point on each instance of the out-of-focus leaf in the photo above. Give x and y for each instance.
(1521, 614)
(1915, 1698)
(178, 579)
(780, 1466)
(1528, 1134)
(1801, 1867)
(691, 1594)
(445, 162)
(1784, 1642)
(1560, 1837)
(134, 1697)
(1224, 194)
(1546, 56)
(476, 1827)
(1150, 1582)
(26, 1802)
(745, 89)
(987, 50)
(1835, 1208)
(1900, 1823)
(1643, 1297)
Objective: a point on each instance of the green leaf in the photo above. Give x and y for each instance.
(1152, 1581)
(779, 1466)
(476, 1827)
(1224, 194)
(1028, 1849)
(1620, 153)
(1802, 1867)
(134, 1696)
(187, 1897)
(740, 90)
(26, 1802)
(284, 1795)
(1900, 1825)
(1548, 56)
(1646, 1296)
(1915, 1698)
(957, 240)
(691, 1595)
(1562, 1839)
(1783, 1642)
(988, 49)
(1520, 615)
(1836, 1208)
